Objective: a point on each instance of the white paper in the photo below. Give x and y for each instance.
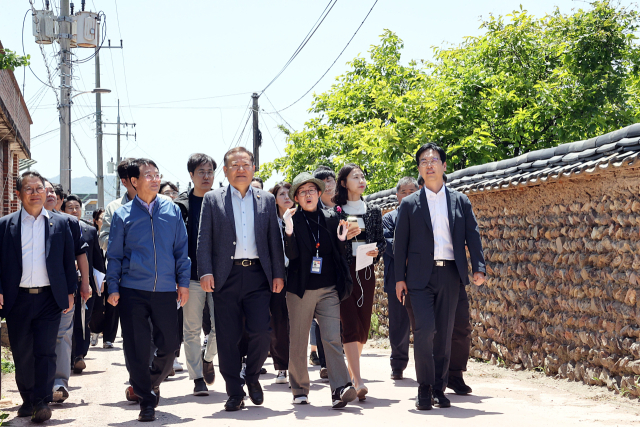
(362, 260)
(83, 316)
(99, 278)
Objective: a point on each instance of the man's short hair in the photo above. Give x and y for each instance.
(71, 198)
(170, 184)
(406, 181)
(134, 167)
(123, 167)
(323, 172)
(236, 150)
(259, 181)
(57, 188)
(197, 159)
(431, 146)
(26, 174)
(420, 180)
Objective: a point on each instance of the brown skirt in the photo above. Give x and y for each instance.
(355, 311)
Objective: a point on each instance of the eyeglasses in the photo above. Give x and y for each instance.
(156, 177)
(427, 162)
(245, 166)
(29, 191)
(311, 192)
(170, 193)
(202, 173)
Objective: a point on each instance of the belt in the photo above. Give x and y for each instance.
(36, 290)
(443, 262)
(246, 262)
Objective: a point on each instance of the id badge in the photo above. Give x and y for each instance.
(316, 265)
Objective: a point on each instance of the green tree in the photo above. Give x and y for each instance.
(526, 83)
(9, 60)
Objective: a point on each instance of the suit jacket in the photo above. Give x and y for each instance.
(389, 228)
(414, 244)
(59, 252)
(94, 253)
(300, 250)
(217, 236)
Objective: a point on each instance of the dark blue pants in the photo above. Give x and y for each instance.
(140, 312)
(400, 324)
(33, 327)
(246, 293)
(434, 311)
(81, 341)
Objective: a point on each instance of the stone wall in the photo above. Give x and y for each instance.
(562, 293)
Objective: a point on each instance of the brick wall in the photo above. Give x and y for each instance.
(12, 100)
(563, 286)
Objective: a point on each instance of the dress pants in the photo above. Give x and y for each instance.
(140, 312)
(461, 338)
(316, 329)
(325, 305)
(245, 293)
(279, 331)
(64, 342)
(192, 312)
(400, 324)
(437, 301)
(33, 325)
(82, 340)
(104, 318)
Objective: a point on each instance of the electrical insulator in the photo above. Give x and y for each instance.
(44, 26)
(88, 29)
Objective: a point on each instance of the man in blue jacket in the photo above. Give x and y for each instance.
(147, 261)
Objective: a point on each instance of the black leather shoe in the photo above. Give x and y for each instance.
(458, 386)
(263, 371)
(314, 360)
(79, 365)
(147, 414)
(396, 374)
(26, 410)
(423, 400)
(208, 372)
(41, 413)
(255, 393)
(200, 388)
(440, 400)
(234, 403)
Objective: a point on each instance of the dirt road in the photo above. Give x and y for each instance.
(500, 398)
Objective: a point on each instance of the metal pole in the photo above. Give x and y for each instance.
(256, 138)
(99, 133)
(65, 91)
(118, 152)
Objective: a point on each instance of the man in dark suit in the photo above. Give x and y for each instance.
(81, 334)
(433, 227)
(37, 282)
(240, 260)
(399, 321)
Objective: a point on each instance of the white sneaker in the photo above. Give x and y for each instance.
(94, 339)
(282, 377)
(300, 400)
(107, 344)
(243, 371)
(177, 366)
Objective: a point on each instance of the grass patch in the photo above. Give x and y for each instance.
(8, 367)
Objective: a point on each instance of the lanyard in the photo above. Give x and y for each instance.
(314, 237)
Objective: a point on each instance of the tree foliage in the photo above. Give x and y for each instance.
(526, 83)
(9, 60)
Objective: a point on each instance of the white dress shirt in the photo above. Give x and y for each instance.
(243, 214)
(34, 261)
(443, 244)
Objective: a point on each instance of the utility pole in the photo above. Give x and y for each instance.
(118, 151)
(99, 132)
(64, 22)
(256, 132)
(117, 134)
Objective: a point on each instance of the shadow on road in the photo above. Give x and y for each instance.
(162, 418)
(249, 413)
(455, 412)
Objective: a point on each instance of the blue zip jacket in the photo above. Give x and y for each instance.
(148, 252)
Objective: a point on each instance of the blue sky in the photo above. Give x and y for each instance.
(177, 52)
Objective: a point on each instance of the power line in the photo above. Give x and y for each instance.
(124, 68)
(278, 113)
(54, 130)
(304, 42)
(272, 139)
(334, 62)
